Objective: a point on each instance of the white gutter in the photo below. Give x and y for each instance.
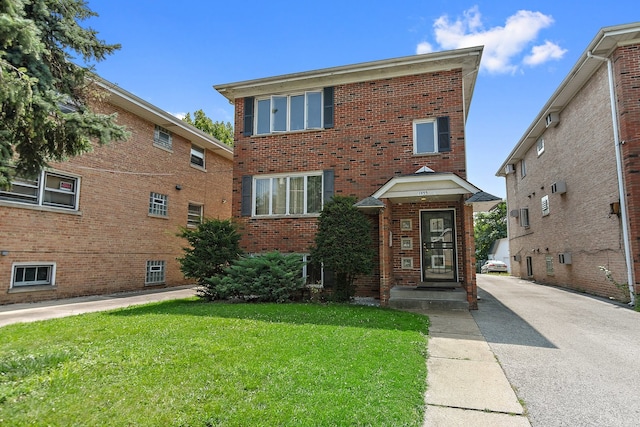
(621, 191)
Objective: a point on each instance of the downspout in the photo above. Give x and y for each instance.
(621, 190)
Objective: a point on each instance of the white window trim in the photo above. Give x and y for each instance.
(40, 185)
(288, 96)
(523, 168)
(540, 146)
(415, 136)
(288, 194)
(305, 262)
(52, 274)
(200, 153)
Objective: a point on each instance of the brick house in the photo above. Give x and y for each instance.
(572, 180)
(392, 134)
(107, 221)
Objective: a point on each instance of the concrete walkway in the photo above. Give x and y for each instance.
(465, 385)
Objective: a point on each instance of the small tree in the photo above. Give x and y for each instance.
(222, 131)
(214, 244)
(271, 277)
(343, 244)
(489, 227)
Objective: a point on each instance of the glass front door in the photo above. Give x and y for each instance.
(438, 246)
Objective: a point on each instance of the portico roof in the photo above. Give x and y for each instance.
(434, 186)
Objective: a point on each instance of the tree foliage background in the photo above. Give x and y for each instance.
(343, 244)
(222, 131)
(44, 96)
(489, 227)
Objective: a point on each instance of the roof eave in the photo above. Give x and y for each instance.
(136, 105)
(605, 42)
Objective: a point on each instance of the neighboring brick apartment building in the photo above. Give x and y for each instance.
(107, 221)
(569, 212)
(392, 134)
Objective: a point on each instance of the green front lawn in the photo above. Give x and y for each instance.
(189, 363)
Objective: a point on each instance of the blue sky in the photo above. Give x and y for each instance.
(174, 52)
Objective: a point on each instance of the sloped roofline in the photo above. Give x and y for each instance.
(467, 59)
(138, 106)
(603, 45)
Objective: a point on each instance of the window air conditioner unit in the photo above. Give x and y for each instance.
(559, 187)
(552, 119)
(515, 213)
(564, 258)
(510, 168)
(517, 258)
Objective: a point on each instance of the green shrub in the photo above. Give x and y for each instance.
(272, 277)
(214, 244)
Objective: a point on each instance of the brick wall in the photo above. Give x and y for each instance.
(626, 62)
(103, 248)
(371, 142)
(580, 151)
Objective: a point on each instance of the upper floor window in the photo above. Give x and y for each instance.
(523, 168)
(524, 217)
(197, 156)
(158, 204)
(289, 112)
(540, 146)
(48, 189)
(194, 215)
(288, 195)
(431, 136)
(284, 113)
(162, 138)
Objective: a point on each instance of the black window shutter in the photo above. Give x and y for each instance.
(328, 107)
(328, 278)
(444, 143)
(328, 187)
(248, 116)
(247, 181)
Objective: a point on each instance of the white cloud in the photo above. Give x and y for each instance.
(424, 47)
(179, 115)
(543, 53)
(503, 45)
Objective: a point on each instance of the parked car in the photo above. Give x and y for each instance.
(493, 266)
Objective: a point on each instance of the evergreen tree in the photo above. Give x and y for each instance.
(45, 97)
(343, 244)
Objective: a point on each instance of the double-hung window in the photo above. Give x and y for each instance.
(431, 136)
(47, 189)
(524, 217)
(285, 113)
(197, 156)
(288, 194)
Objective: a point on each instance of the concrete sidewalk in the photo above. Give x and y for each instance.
(466, 385)
(31, 312)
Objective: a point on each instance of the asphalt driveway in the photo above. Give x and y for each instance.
(573, 360)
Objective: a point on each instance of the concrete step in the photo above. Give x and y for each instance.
(412, 297)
